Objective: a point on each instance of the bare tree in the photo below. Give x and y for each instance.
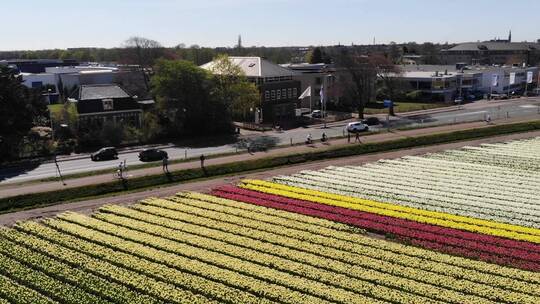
(142, 52)
(359, 78)
(389, 80)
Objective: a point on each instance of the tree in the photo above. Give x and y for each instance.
(143, 52)
(316, 56)
(390, 84)
(360, 75)
(233, 89)
(20, 110)
(186, 100)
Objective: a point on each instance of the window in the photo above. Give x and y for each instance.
(294, 93)
(273, 93)
(278, 94)
(266, 95)
(284, 93)
(289, 93)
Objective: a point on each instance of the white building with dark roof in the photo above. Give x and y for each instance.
(278, 89)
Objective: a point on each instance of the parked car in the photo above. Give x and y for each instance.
(152, 155)
(355, 127)
(316, 114)
(371, 121)
(106, 153)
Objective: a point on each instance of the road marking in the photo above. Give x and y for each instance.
(457, 115)
(529, 106)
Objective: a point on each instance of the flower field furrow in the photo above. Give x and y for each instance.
(44, 284)
(490, 173)
(517, 248)
(516, 163)
(265, 289)
(410, 198)
(152, 278)
(518, 275)
(469, 182)
(291, 217)
(363, 256)
(186, 200)
(382, 279)
(103, 288)
(14, 293)
(424, 216)
(224, 261)
(499, 199)
(356, 289)
(408, 231)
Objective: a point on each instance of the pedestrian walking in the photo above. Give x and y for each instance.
(202, 160)
(357, 137)
(166, 164)
(349, 137)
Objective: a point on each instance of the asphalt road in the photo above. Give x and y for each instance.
(470, 112)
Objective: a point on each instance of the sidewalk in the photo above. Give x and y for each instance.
(20, 189)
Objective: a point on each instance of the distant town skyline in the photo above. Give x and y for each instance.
(106, 24)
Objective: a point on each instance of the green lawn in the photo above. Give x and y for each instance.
(55, 108)
(400, 107)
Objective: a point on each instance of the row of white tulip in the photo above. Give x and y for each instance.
(417, 179)
(394, 195)
(456, 197)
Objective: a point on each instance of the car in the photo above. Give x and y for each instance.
(316, 114)
(152, 155)
(106, 153)
(458, 100)
(354, 127)
(371, 121)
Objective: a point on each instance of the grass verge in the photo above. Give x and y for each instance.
(28, 201)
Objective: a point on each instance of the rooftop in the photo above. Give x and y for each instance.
(494, 46)
(101, 91)
(255, 67)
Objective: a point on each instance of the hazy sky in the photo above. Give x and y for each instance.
(38, 24)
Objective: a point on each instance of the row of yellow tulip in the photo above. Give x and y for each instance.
(362, 281)
(44, 284)
(181, 260)
(14, 293)
(149, 278)
(359, 251)
(73, 276)
(303, 285)
(393, 276)
(386, 209)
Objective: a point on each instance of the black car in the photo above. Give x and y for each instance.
(152, 155)
(106, 153)
(371, 121)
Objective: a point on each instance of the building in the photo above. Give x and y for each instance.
(498, 52)
(315, 76)
(278, 89)
(446, 82)
(35, 66)
(98, 104)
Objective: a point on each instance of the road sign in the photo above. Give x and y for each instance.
(388, 103)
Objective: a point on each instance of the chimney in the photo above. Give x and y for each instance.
(436, 73)
(446, 72)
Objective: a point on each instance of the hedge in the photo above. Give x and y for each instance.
(48, 198)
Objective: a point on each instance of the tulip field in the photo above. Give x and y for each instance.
(453, 227)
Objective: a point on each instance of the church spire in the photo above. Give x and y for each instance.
(510, 36)
(239, 41)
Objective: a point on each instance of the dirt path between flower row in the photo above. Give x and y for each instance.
(204, 186)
